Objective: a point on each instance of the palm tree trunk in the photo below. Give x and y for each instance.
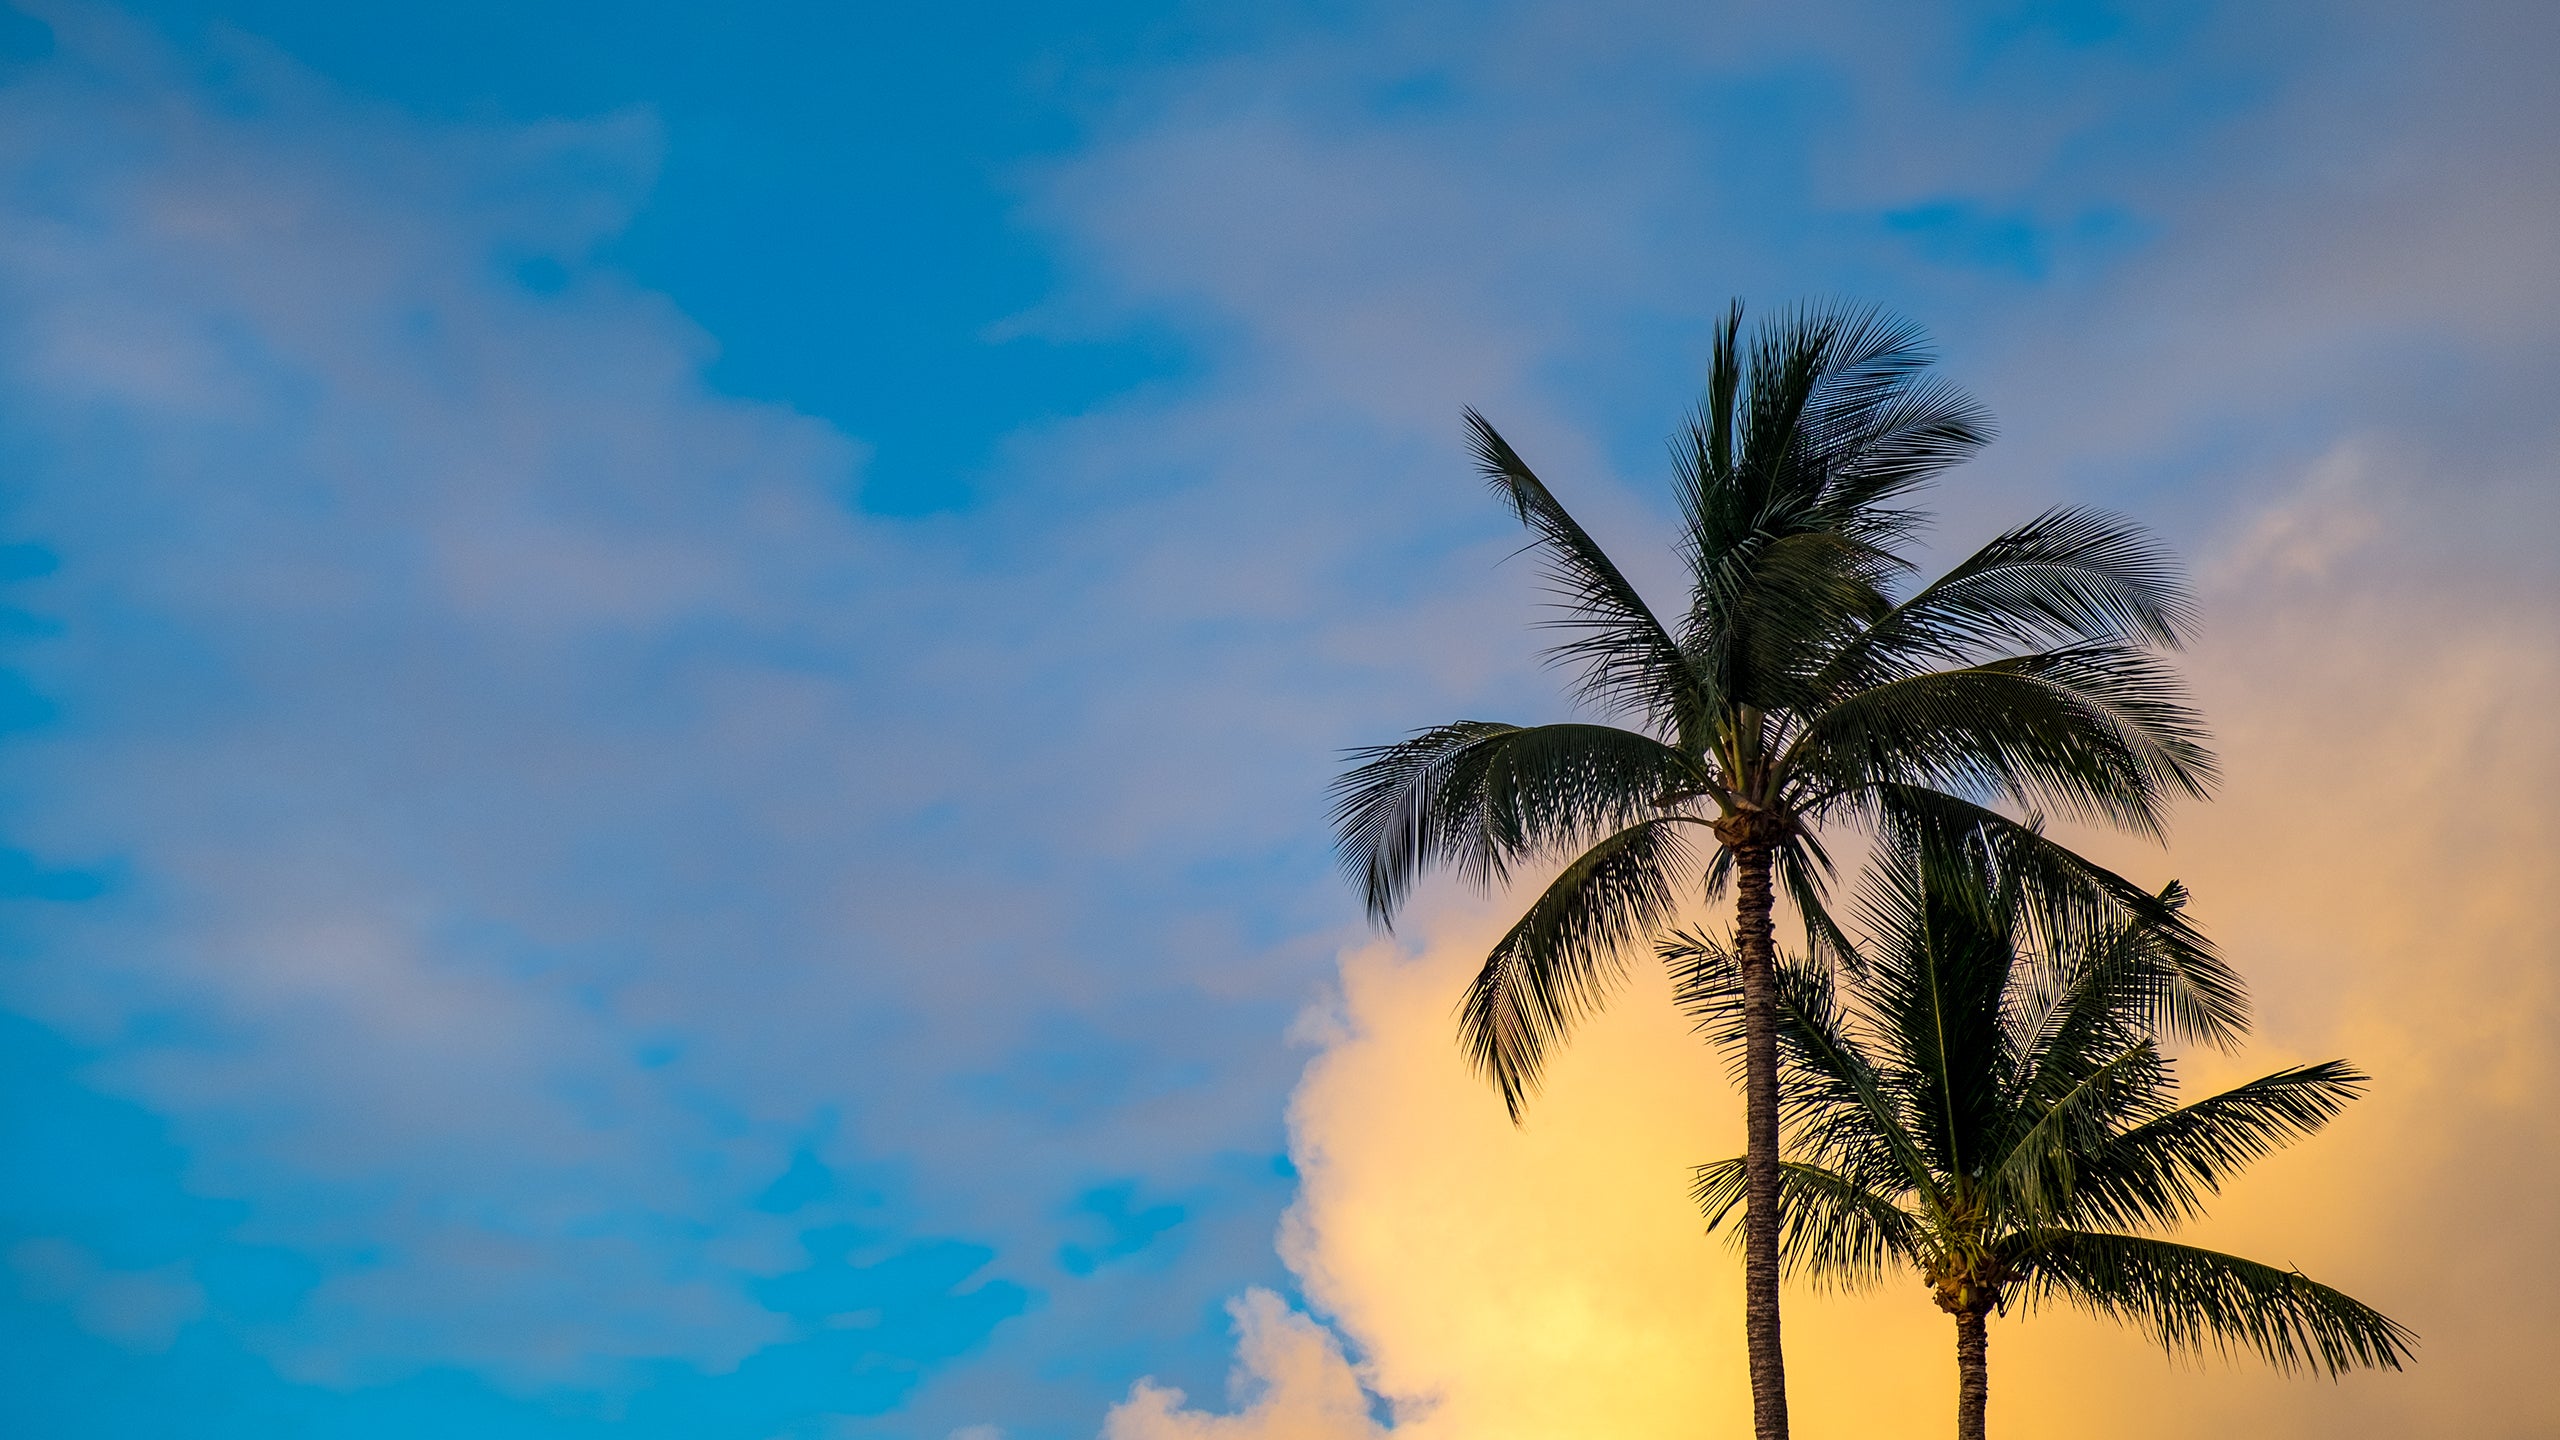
(1973, 1373)
(1755, 927)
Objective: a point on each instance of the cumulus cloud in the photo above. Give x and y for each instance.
(2307, 362)
(1291, 1383)
(2378, 867)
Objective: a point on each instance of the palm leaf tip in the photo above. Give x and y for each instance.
(2195, 1301)
(1624, 654)
(1565, 956)
(2160, 1172)
(1479, 798)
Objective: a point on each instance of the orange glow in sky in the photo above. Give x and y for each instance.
(2378, 865)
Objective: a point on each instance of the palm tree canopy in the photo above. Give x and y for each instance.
(1807, 680)
(2000, 1117)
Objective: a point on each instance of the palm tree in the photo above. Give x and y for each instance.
(1997, 1116)
(1800, 688)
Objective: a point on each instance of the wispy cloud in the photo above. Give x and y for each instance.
(526, 798)
(594, 911)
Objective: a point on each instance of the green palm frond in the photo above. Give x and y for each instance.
(1837, 416)
(1834, 1098)
(1702, 456)
(1777, 470)
(1479, 797)
(2160, 1172)
(2099, 732)
(2135, 694)
(1878, 424)
(2038, 1172)
(1623, 653)
(1784, 475)
(2069, 576)
(2196, 1301)
(1559, 963)
(2088, 995)
(1803, 875)
(1930, 991)
(1706, 983)
(2070, 903)
(1769, 608)
(1832, 1228)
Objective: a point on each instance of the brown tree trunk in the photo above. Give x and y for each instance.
(1973, 1373)
(1754, 926)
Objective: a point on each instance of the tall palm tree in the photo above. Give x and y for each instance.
(1803, 685)
(2000, 1119)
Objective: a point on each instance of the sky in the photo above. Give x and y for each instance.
(670, 672)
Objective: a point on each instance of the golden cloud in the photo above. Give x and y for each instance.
(2382, 865)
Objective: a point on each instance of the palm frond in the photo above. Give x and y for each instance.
(2093, 993)
(1623, 653)
(1803, 873)
(1702, 457)
(1481, 797)
(1833, 1098)
(1789, 351)
(2069, 576)
(1706, 983)
(1878, 424)
(2159, 1173)
(1767, 609)
(1831, 1228)
(1784, 477)
(1559, 963)
(2071, 902)
(2102, 732)
(2036, 1175)
(1936, 971)
(2194, 1301)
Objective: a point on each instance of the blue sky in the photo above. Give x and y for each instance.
(823, 173)
(672, 666)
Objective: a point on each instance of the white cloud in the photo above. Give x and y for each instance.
(1291, 1383)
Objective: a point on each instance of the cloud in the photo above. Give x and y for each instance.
(1291, 1382)
(138, 1309)
(2312, 359)
(450, 687)
(324, 482)
(2377, 867)
(524, 816)
(491, 795)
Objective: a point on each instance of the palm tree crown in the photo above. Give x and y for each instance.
(1997, 1115)
(1796, 688)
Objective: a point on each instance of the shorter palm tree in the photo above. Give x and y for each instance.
(1981, 1097)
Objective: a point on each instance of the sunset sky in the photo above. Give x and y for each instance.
(670, 670)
